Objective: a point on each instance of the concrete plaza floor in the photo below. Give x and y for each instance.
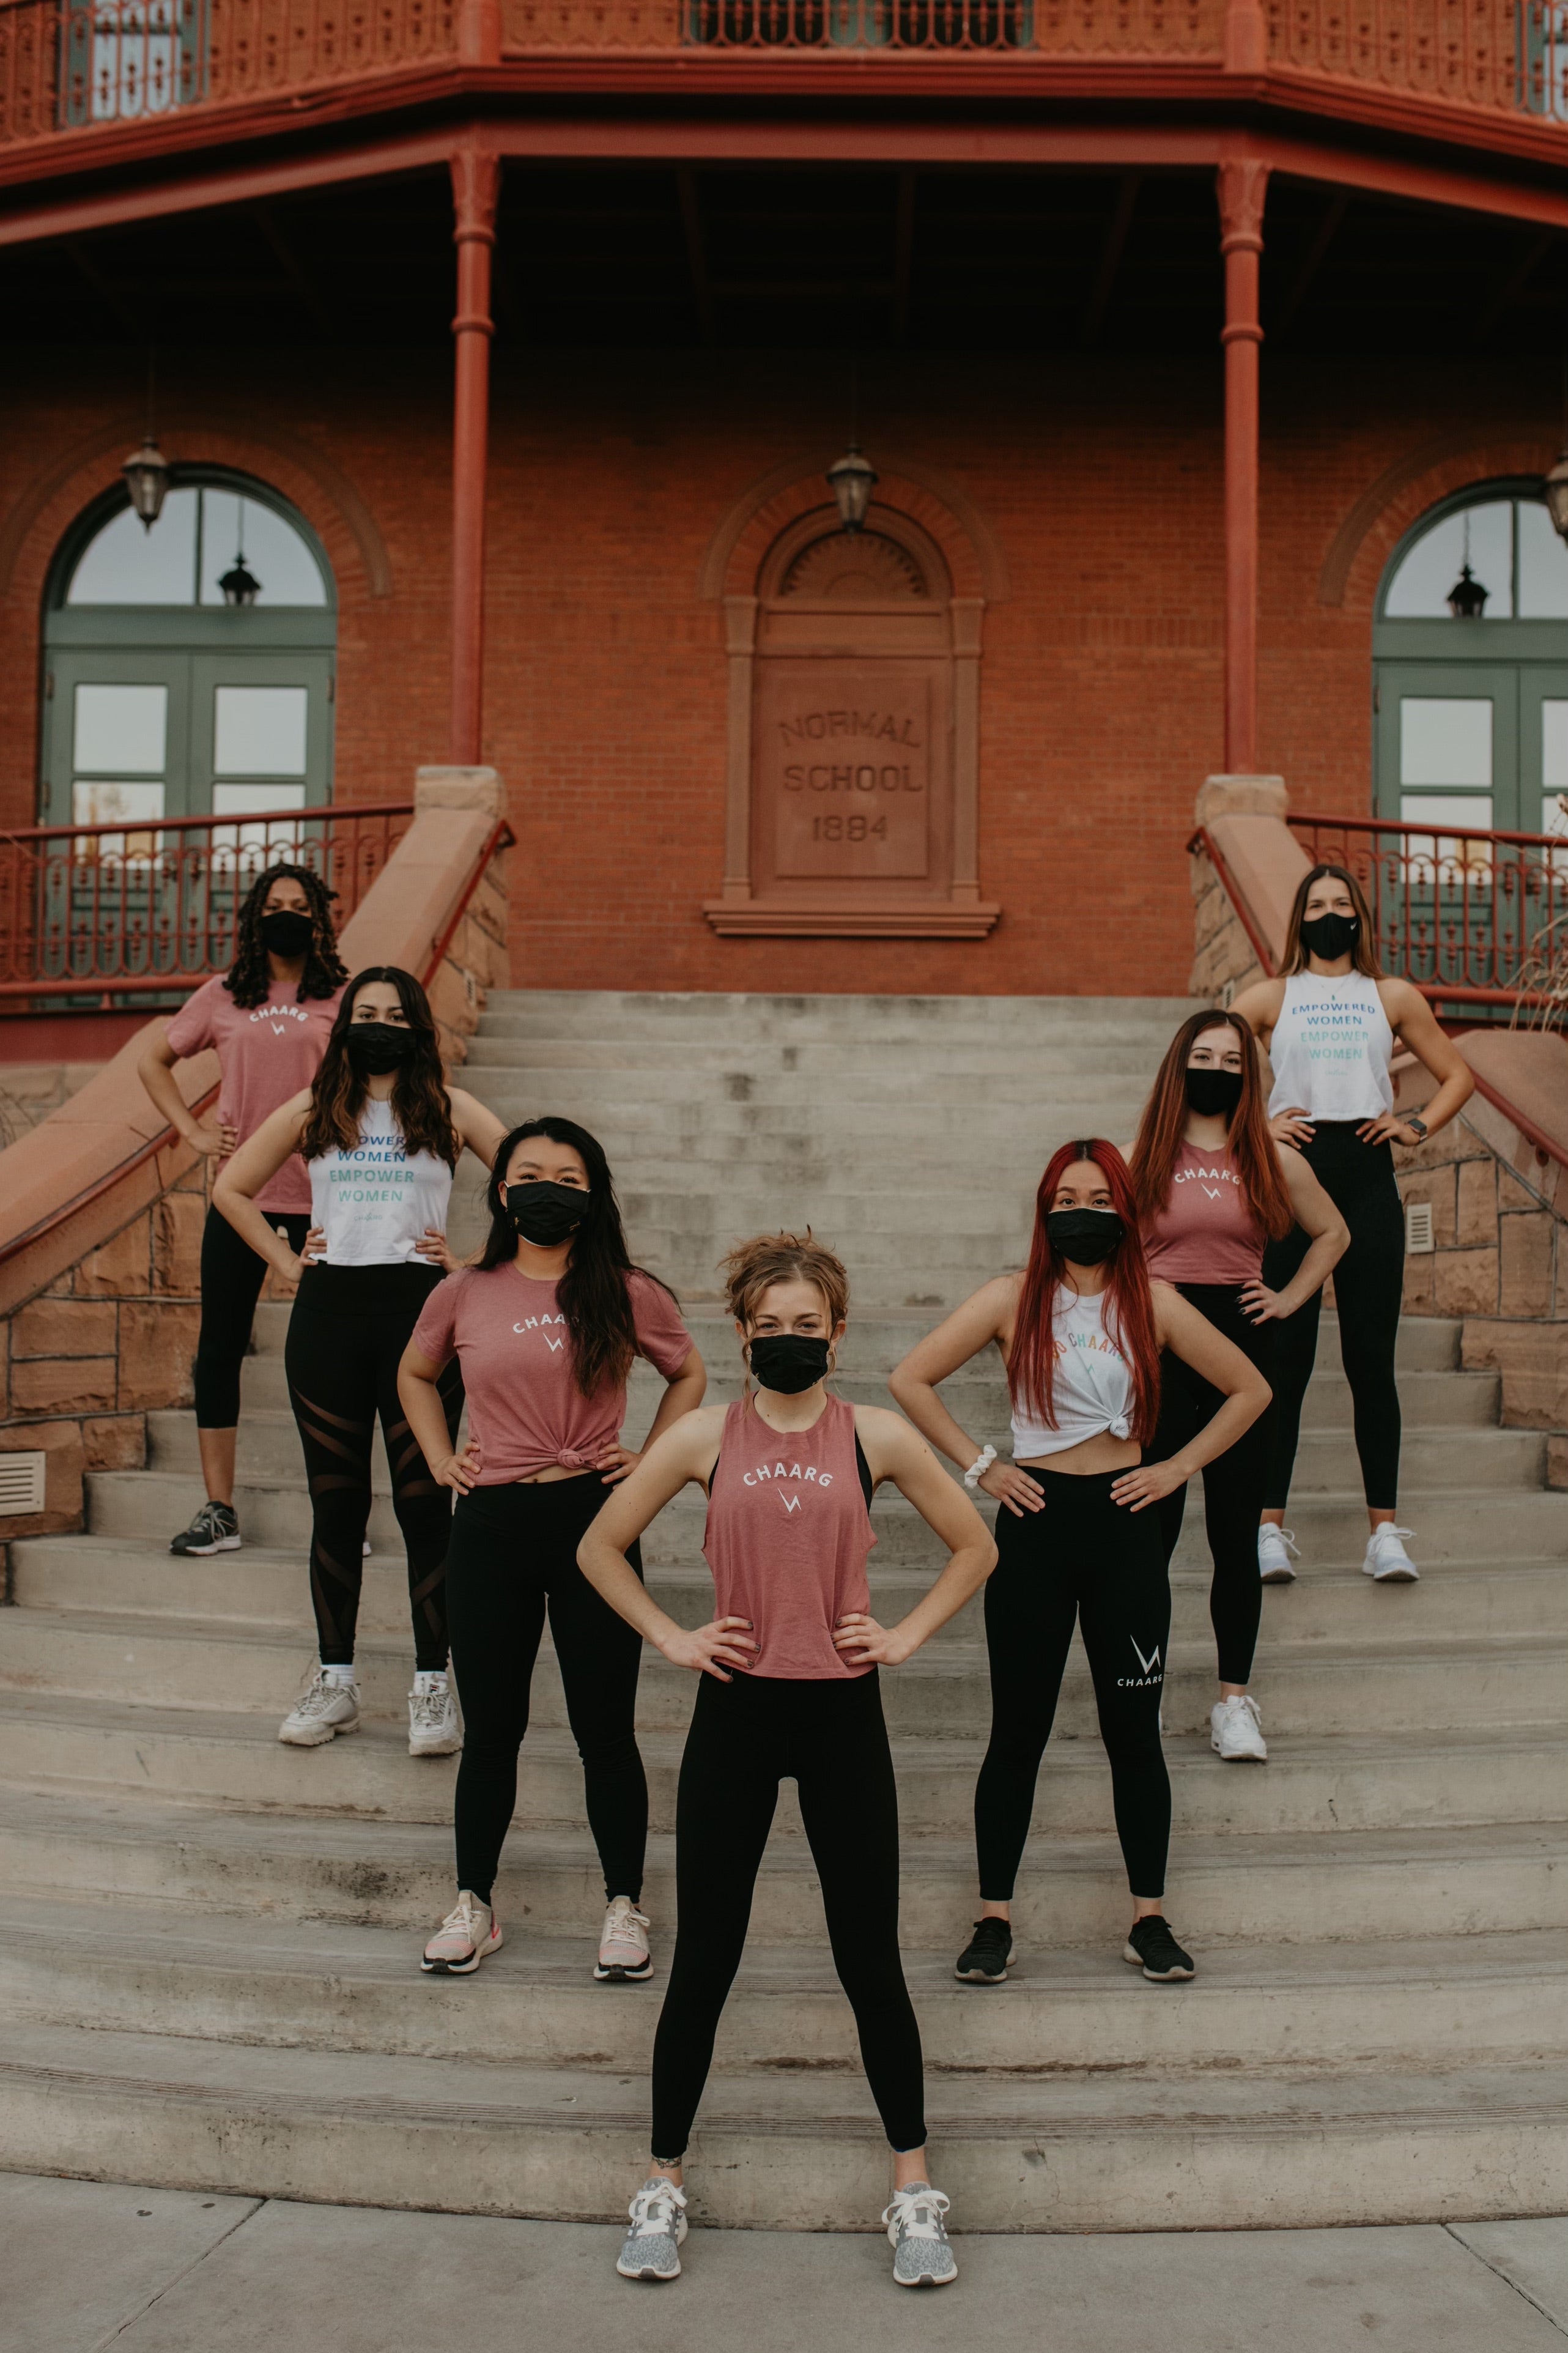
(88, 2266)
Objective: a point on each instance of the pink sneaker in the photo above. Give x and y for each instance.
(624, 1957)
(469, 1932)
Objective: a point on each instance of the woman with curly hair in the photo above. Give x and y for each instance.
(380, 1133)
(268, 1018)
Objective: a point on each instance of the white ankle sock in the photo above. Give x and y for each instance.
(430, 1679)
(343, 1676)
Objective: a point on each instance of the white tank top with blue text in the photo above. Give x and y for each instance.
(1092, 1384)
(374, 1203)
(1331, 1048)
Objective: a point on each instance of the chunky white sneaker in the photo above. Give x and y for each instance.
(624, 1957)
(433, 1727)
(1386, 1558)
(921, 2256)
(1275, 1547)
(651, 2248)
(326, 1709)
(469, 1935)
(1235, 1728)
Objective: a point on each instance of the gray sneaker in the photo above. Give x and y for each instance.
(215, 1528)
(922, 2255)
(651, 2250)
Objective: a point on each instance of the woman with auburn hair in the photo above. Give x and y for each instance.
(1212, 1188)
(788, 1668)
(381, 1134)
(1331, 1021)
(1081, 1331)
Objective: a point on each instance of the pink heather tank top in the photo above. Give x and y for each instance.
(787, 1538)
(1207, 1231)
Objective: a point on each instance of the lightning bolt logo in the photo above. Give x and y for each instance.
(1144, 1663)
(789, 1502)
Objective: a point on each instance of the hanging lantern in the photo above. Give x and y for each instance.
(239, 584)
(1554, 490)
(852, 480)
(146, 473)
(1466, 598)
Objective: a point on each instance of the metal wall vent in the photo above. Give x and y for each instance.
(21, 1485)
(1419, 1228)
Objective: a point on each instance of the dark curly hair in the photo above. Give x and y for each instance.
(420, 1104)
(248, 979)
(592, 1294)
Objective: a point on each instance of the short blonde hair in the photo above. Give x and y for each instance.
(753, 1267)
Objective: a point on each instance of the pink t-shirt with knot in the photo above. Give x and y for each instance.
(268, 1052)
(525, 1409)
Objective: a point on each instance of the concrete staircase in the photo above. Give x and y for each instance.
(208, 1944)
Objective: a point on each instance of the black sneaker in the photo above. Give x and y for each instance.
(215, 1528)
(984, 1960)
(1150, 1947)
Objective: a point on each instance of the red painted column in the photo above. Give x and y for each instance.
(476, 183)
(1243, 185)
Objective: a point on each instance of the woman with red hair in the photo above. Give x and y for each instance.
(1081, 1331)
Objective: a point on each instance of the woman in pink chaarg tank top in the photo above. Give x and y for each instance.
(789, 1689)
(1213, 1187)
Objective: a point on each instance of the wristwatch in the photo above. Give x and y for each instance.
(1420, 1127)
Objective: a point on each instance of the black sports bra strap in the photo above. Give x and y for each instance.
(864, 1467)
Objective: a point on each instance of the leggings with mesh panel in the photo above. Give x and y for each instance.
(346, 1337)
(829, 1737)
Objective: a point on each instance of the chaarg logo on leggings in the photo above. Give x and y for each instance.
(1150, 1670)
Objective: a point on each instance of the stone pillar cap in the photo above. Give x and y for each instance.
(461, 788)
(1241, 796)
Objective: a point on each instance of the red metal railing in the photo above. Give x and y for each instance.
(1486, 53)
(98, 914)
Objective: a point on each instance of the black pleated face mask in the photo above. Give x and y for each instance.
(545, 1213)
(787, 1362)
(1213, 1095)
(1086, 1237)
(377, 1046)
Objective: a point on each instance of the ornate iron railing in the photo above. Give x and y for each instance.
(97, 916)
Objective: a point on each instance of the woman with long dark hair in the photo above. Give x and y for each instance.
(1332, 1022)
(1081, 1332)
(545, 1329)
(788, 1688)
(381, 1134)
(268, 1017)
(1213, 1187)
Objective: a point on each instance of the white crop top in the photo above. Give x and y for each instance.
(375, 1204)
(1331, 1048)
(1092, 1384)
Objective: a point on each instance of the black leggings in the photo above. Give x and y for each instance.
(1232, 1484)
(747, 1736)
(514, 1554)
(1369, 1284)
(232, 1277)
(1087, 1558)
(346, 1338)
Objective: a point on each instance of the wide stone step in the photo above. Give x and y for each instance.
(318, 1986)
(772, 2147)
(977, 1058)
(891, 1078)
(915, 1020)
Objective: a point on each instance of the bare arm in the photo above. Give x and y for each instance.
(1317, 1216)
(417, 1375)
(259, 1159)
(893, 1450)
(478, 1126)
(688, 1451)
(1260, 1005)
(986, 1316)
(683, 1392)
(1219, 1362)
(1410, 1015)
(156, 1072)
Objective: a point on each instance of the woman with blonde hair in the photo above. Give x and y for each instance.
(788, 1668)
(1331, 1021)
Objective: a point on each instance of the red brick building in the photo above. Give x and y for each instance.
(1024, 254)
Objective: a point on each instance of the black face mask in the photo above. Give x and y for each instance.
(1087, 1236)
(287, 933)
(544, 1213)
(1213, 1095)
(1330, 935)
(376, 1047)
(788, 1363)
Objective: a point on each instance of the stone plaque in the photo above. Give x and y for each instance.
(844, 768)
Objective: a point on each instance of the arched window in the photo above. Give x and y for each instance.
(188, 669)
(1471, 683)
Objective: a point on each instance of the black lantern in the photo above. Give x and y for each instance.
(1554, 490)
(852, 480)
(1466, 598)
(146, 472)
(239, 584)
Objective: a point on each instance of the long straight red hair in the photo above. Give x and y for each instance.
(1129, 1306)
(1163, 1125)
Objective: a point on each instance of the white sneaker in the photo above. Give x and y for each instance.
(624, 1957)
(1275, 1547)
(1235, 1728)
(469, 1935)
(326, 1709)
(433, 1727)
(1387, 1557)
(921, 2256)
(651, 2248)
